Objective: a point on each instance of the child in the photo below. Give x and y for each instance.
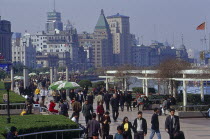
(119, 134)
(100, 111)
(74, 118)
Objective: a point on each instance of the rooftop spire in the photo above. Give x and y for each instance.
(102, 12)
(182, 40)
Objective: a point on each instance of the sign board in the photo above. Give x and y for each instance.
(5, 97)
(207, 55)
(5, 67)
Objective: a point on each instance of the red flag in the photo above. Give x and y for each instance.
(201, 26)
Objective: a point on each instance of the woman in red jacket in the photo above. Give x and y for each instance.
(52, 106)
(100, 111)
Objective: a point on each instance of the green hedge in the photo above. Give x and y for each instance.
(14, 98)
(194, 99)
(140, 90)
(36, 123)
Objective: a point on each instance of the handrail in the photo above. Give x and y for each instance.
(13, 104)
(52, 131)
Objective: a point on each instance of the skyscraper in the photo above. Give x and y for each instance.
(54, 21)
(5, 40)
(120, 30)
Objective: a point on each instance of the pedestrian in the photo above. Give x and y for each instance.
(128, 101)
(140, 127)
(72, 94)
(74, 118)
(106, 121)
(64, 108)
(122, 101)
(54, 94)
(99, 98)
(107, 100)
(63, 94)
(172, 124)
(140, 103)
(90, 98)
(42, 94)
(127, 126)
(155, 124)
(29, 104)
(80, 97)
(93, 128)
(164, 106)
(87, 110)
(115, 107)
(52, 107)
(119, 134)
(12, 134)
(100, 111)
(172, 100)
(146, 102)
(76, 107)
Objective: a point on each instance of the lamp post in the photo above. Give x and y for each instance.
(7, 84)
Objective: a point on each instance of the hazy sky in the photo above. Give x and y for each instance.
(169, 16)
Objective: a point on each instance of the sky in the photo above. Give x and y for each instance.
(149, 19)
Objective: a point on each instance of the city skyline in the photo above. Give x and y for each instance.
(166, 20)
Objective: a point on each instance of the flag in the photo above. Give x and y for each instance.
(201, 26)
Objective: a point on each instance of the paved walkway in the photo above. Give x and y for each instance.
(194, 128)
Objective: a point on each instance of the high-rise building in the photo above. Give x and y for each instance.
(100, 42)
(120, 30)
(23, 51)
(54, 21)
(5, 39)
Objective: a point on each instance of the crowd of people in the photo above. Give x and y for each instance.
(98, 122)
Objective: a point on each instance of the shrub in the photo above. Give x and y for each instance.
(100, 83)
(85, 83)
(14, 98)
(140, 90)
(37, 123)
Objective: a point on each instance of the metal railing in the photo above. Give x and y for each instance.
(192, 108)
(47, 132)
(13, 106)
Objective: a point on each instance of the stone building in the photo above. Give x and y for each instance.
(23, 51)
(120, 30)
(101, 43)
(5, 40)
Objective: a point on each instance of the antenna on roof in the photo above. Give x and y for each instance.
(182, 40)
(54, 6)
(102, 11)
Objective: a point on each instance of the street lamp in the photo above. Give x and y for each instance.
(7, 84)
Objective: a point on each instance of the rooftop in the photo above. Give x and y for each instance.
(118, 16)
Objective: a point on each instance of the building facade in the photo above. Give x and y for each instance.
(100, 43)
(23, 51)
(120, 30)
(5, 40)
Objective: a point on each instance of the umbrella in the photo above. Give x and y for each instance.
(32, 74)
(47, 72)
(55, 85)
(18, 77)
(41, 73)
(68, 85)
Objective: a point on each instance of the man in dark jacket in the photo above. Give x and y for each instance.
(12, 133)
(115, 107)
(107, 100)
(140, 127)
(155, 125)
(87, 110)
(80, 97)
(72, 94)
(172, 124)
(128, 100)
(90, 98)
(64, 108)
(93, 128)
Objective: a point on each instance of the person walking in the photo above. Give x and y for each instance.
(122, 101)
(99, 98)
(172, 124)
(79, 97)
(107, 100)
(93, 128)
(155, 125)
(100, 111)
(140, 127)
(72, 94)
(64, 108)
(87, 109)
(106, 121)
(164, 106)
(115, 107)
(128, 101)
(119, 134)
(127, 126)
(90, 98)
(76, 106)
